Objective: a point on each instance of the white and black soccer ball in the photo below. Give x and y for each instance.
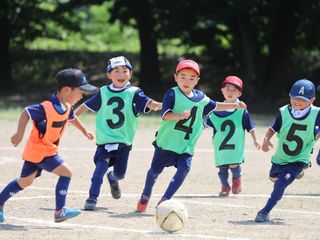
(171, 215)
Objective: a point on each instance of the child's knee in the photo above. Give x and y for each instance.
(233, 166)
(25, 181)
(273, 179)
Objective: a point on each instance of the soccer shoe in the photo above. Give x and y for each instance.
(115, 189)
(90, 204)
(262, 217)
(225, 190)
(65, 214)
(1, 215)
(236, 185)
(143, 203)
(300, 175)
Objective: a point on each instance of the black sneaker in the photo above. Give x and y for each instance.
(262, 217)
(90, 204)
(115, 189)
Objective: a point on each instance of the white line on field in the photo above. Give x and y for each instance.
(180, 198)
(40, 222)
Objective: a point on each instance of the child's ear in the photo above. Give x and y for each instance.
(312, 100)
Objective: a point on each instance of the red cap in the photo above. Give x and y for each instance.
(237, 82)
(188, 64)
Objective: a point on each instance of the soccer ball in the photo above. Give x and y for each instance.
(171, 215)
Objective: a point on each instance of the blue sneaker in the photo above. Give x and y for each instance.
(65, 214)
(262, 217)
(1, 214)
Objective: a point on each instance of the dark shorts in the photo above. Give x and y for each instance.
(293, 168)
(117, 158)
(48, 164)
(163, 158)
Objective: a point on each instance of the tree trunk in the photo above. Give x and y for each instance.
(248, 53)
(5, 63)
(282, 41)
(149, 77)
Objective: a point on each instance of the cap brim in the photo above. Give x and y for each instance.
(88, 88)
(304, 98)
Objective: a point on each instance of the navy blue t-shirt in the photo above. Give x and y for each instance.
(276, 125)
(140, 101)
(37, 114)
(246, 120)
(169, 98)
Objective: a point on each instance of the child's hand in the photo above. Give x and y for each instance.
(158, 107)
(266, 145)
(242, 105)
(88, 134)
(185, 114)
(16, 139)
(257, 145)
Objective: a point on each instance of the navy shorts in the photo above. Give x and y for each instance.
(163, 158)
(117, 158)
(48, 164)
(293, 168)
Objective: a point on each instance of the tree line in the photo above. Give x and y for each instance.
(268, 43)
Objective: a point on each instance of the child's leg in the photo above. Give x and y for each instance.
(223, 175)
(12, 188)
(236, 171)
(183, 168)
(236, 178)
(120, 164)
(97, 179)
(62, 186)
(286, 176)
(28, 174)
(119, 171)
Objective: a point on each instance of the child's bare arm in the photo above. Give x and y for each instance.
(81, 109)
(154, 105)
(175, 116)
(266, 141)
(254, 138)
(17, 137)
(78, 124)
(226, 106)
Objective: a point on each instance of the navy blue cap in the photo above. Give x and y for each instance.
(118, 61)
(304, 89)
(73, 77)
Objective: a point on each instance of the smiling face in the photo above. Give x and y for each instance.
(186, 80)
(300, 104)
(119, 76)
(230, 93)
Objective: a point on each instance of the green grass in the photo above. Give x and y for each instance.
(10, 114)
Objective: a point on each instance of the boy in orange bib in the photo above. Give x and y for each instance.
(41, 150)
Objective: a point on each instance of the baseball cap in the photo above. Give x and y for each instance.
(118, 61)
(187, 63)
(234, 80)
(304, 89)
(73, 77)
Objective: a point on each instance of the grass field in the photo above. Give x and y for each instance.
(29, 214)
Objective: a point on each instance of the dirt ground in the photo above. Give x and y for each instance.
(29, 214)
